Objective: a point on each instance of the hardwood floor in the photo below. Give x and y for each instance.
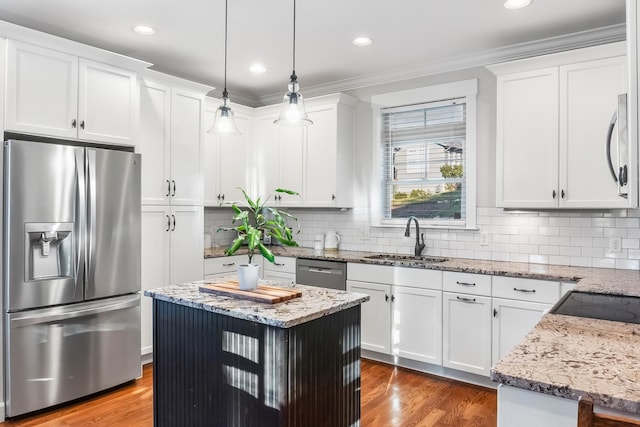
(391, 397)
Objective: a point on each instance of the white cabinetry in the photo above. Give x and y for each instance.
(170, 143)
(404, 315)
(171, 253)
(553, 113)
(518, 305)
(57, 94)
(226, 265)
(227, 161)
(283, 269)
(375, 329)
(280, 159)
(316, 161)
(466, 322)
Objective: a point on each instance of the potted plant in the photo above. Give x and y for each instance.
(254, 226)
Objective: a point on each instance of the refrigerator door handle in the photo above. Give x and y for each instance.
(65, 313)
(612, 125)
(91, 213)
(80, 210)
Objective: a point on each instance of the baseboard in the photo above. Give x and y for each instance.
(429, 368)
(146, 358)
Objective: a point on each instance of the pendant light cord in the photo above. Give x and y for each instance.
(226, 13)
(294, 36)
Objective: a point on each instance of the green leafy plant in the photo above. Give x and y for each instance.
(254, 225)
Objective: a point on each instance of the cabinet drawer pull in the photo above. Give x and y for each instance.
(174, 223)
(168, 223)
(174, 188)
(526, 291)
(466, 299)
(229, 264)
(278, 264)
(465, 283)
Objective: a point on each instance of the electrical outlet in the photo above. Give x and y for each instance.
(365, 233)
(485, 237)
(615, 244)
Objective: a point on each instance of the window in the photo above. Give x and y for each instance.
(427, 159)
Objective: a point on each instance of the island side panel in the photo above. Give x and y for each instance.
(215, 370)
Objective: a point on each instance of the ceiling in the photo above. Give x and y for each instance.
(408, 35)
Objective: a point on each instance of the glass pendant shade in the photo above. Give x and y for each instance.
(292, 112)
(224, 122)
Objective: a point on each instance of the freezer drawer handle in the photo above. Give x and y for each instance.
(65, 315)
(526, 291)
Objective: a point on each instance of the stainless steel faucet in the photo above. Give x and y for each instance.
(407, 232)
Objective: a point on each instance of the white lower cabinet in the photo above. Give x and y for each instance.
(283, 269)
(375, 329)
(227, 265)
(404, 315)
(171, 254)
(466, 332)
(417, 324)
(512, 321)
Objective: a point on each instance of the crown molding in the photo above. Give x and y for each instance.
(603, 35)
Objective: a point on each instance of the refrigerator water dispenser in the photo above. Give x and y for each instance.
(48, 251)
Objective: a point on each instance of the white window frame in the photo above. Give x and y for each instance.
(467, 89)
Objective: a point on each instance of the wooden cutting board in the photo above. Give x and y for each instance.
(263, 293)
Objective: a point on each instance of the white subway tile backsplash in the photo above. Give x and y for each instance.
(551, 237)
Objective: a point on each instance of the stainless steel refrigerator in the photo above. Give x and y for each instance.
(71, 275)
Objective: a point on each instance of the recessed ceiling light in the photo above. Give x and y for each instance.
(362, 41)
(257, 69)
(144, 30)
(516, 4)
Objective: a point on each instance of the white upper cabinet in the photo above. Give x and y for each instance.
(280, 157)
(56, 94)
(170, 141)
(227, 158)
(553, 116)
(315, 160)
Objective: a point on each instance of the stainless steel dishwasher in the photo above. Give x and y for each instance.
(324, 274)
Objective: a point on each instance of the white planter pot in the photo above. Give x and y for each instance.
(248, 275)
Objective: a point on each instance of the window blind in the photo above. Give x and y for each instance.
(423, 161)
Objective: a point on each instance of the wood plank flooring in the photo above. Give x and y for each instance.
(391, 397)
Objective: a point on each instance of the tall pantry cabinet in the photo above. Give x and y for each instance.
(170, 141)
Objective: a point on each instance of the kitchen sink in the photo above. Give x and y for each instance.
(406, 258)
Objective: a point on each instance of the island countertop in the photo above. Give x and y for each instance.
(314, 303)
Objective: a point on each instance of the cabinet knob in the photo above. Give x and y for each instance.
(386, 297)
(82, 124)
(73, 123)
(562, 193)
(495, 312)
(333, 197)
(553, 194)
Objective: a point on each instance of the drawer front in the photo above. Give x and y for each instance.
(468, 283)
(526, 289)
(223, 264)
(418, 278)
(283, 264)
(370, 273)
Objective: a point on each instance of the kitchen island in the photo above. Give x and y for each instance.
(221, 361)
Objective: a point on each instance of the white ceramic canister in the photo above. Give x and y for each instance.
(318, 242)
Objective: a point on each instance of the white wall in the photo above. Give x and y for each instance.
(578, 238)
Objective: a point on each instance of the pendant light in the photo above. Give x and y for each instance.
(293, 112)
(224, 122)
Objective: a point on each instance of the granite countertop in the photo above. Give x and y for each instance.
(496, 268)
(314, 303)
(569, 356)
